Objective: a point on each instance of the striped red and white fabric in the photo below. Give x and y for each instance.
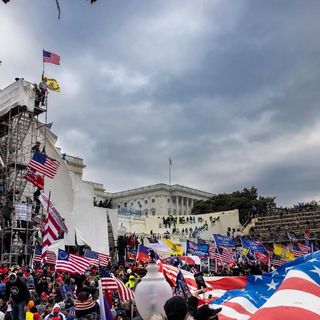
(51, 258)
(84, 305)
(304, 248)
(213, 283)
(213, 254)
(98, 259)
(51, 233)
(277, 262)
(39, 222)
(297, 253)
(227, 256)
(125, 293)
(44, 165)
(49, 207)
(297, 298)
(112, 283)
(104, 259)
(298, 249)
(238, 308)
(74, 264)
(109, 284)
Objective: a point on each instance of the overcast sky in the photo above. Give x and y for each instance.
(228, 89)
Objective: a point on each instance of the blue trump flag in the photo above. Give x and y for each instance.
(223, 241)
(197, 249)
(253, 245)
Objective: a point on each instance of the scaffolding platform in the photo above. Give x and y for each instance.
(17, 97)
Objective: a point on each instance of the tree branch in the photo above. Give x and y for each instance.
(58, 6)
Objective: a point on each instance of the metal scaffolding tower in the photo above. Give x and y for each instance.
(18, 133)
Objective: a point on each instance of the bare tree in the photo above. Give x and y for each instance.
(58, 5)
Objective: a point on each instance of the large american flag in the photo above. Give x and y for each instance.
(44, 165)
(72, 263)
(51, 57)
(97, 258)
(292, 291)
(110, 282)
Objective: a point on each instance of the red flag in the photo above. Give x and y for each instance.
(36, 179)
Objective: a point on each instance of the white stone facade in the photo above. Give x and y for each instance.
(159, 199)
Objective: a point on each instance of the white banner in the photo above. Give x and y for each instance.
(23, 212)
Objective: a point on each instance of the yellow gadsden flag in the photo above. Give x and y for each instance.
(52, 85)
(176, 249)
(285, 254)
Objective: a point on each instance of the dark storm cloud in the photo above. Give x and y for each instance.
(228, 90)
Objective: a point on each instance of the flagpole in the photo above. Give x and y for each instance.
(170, 164)
(42, 64)
(48, 208)
(101, 300)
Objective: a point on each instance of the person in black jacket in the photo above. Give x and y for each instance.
(18, 291)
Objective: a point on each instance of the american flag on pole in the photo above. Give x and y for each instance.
(110, 282)
(72, 263)
(50, 257)
(298, 249)
(51, 233)
(107, 281)
(277, 261)
(213, 254)
(49, 57)
(50, 208)
(44, 165)
(97, 258)
(39, 222)
(226, 255)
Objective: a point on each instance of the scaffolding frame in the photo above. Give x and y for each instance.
(19, 130)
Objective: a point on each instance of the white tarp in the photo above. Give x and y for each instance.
(58, 244)
(19, 93)
(73, 198)
(80, 238)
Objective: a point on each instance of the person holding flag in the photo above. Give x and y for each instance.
(43, 90)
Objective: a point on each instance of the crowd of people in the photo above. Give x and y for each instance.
(42, 293)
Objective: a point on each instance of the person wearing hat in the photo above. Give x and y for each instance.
(18, 291)
(55, 313)
(207, 313)
(132, 282)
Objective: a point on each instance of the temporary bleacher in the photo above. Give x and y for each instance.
(275, 227)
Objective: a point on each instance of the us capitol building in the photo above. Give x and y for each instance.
(159, 199)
